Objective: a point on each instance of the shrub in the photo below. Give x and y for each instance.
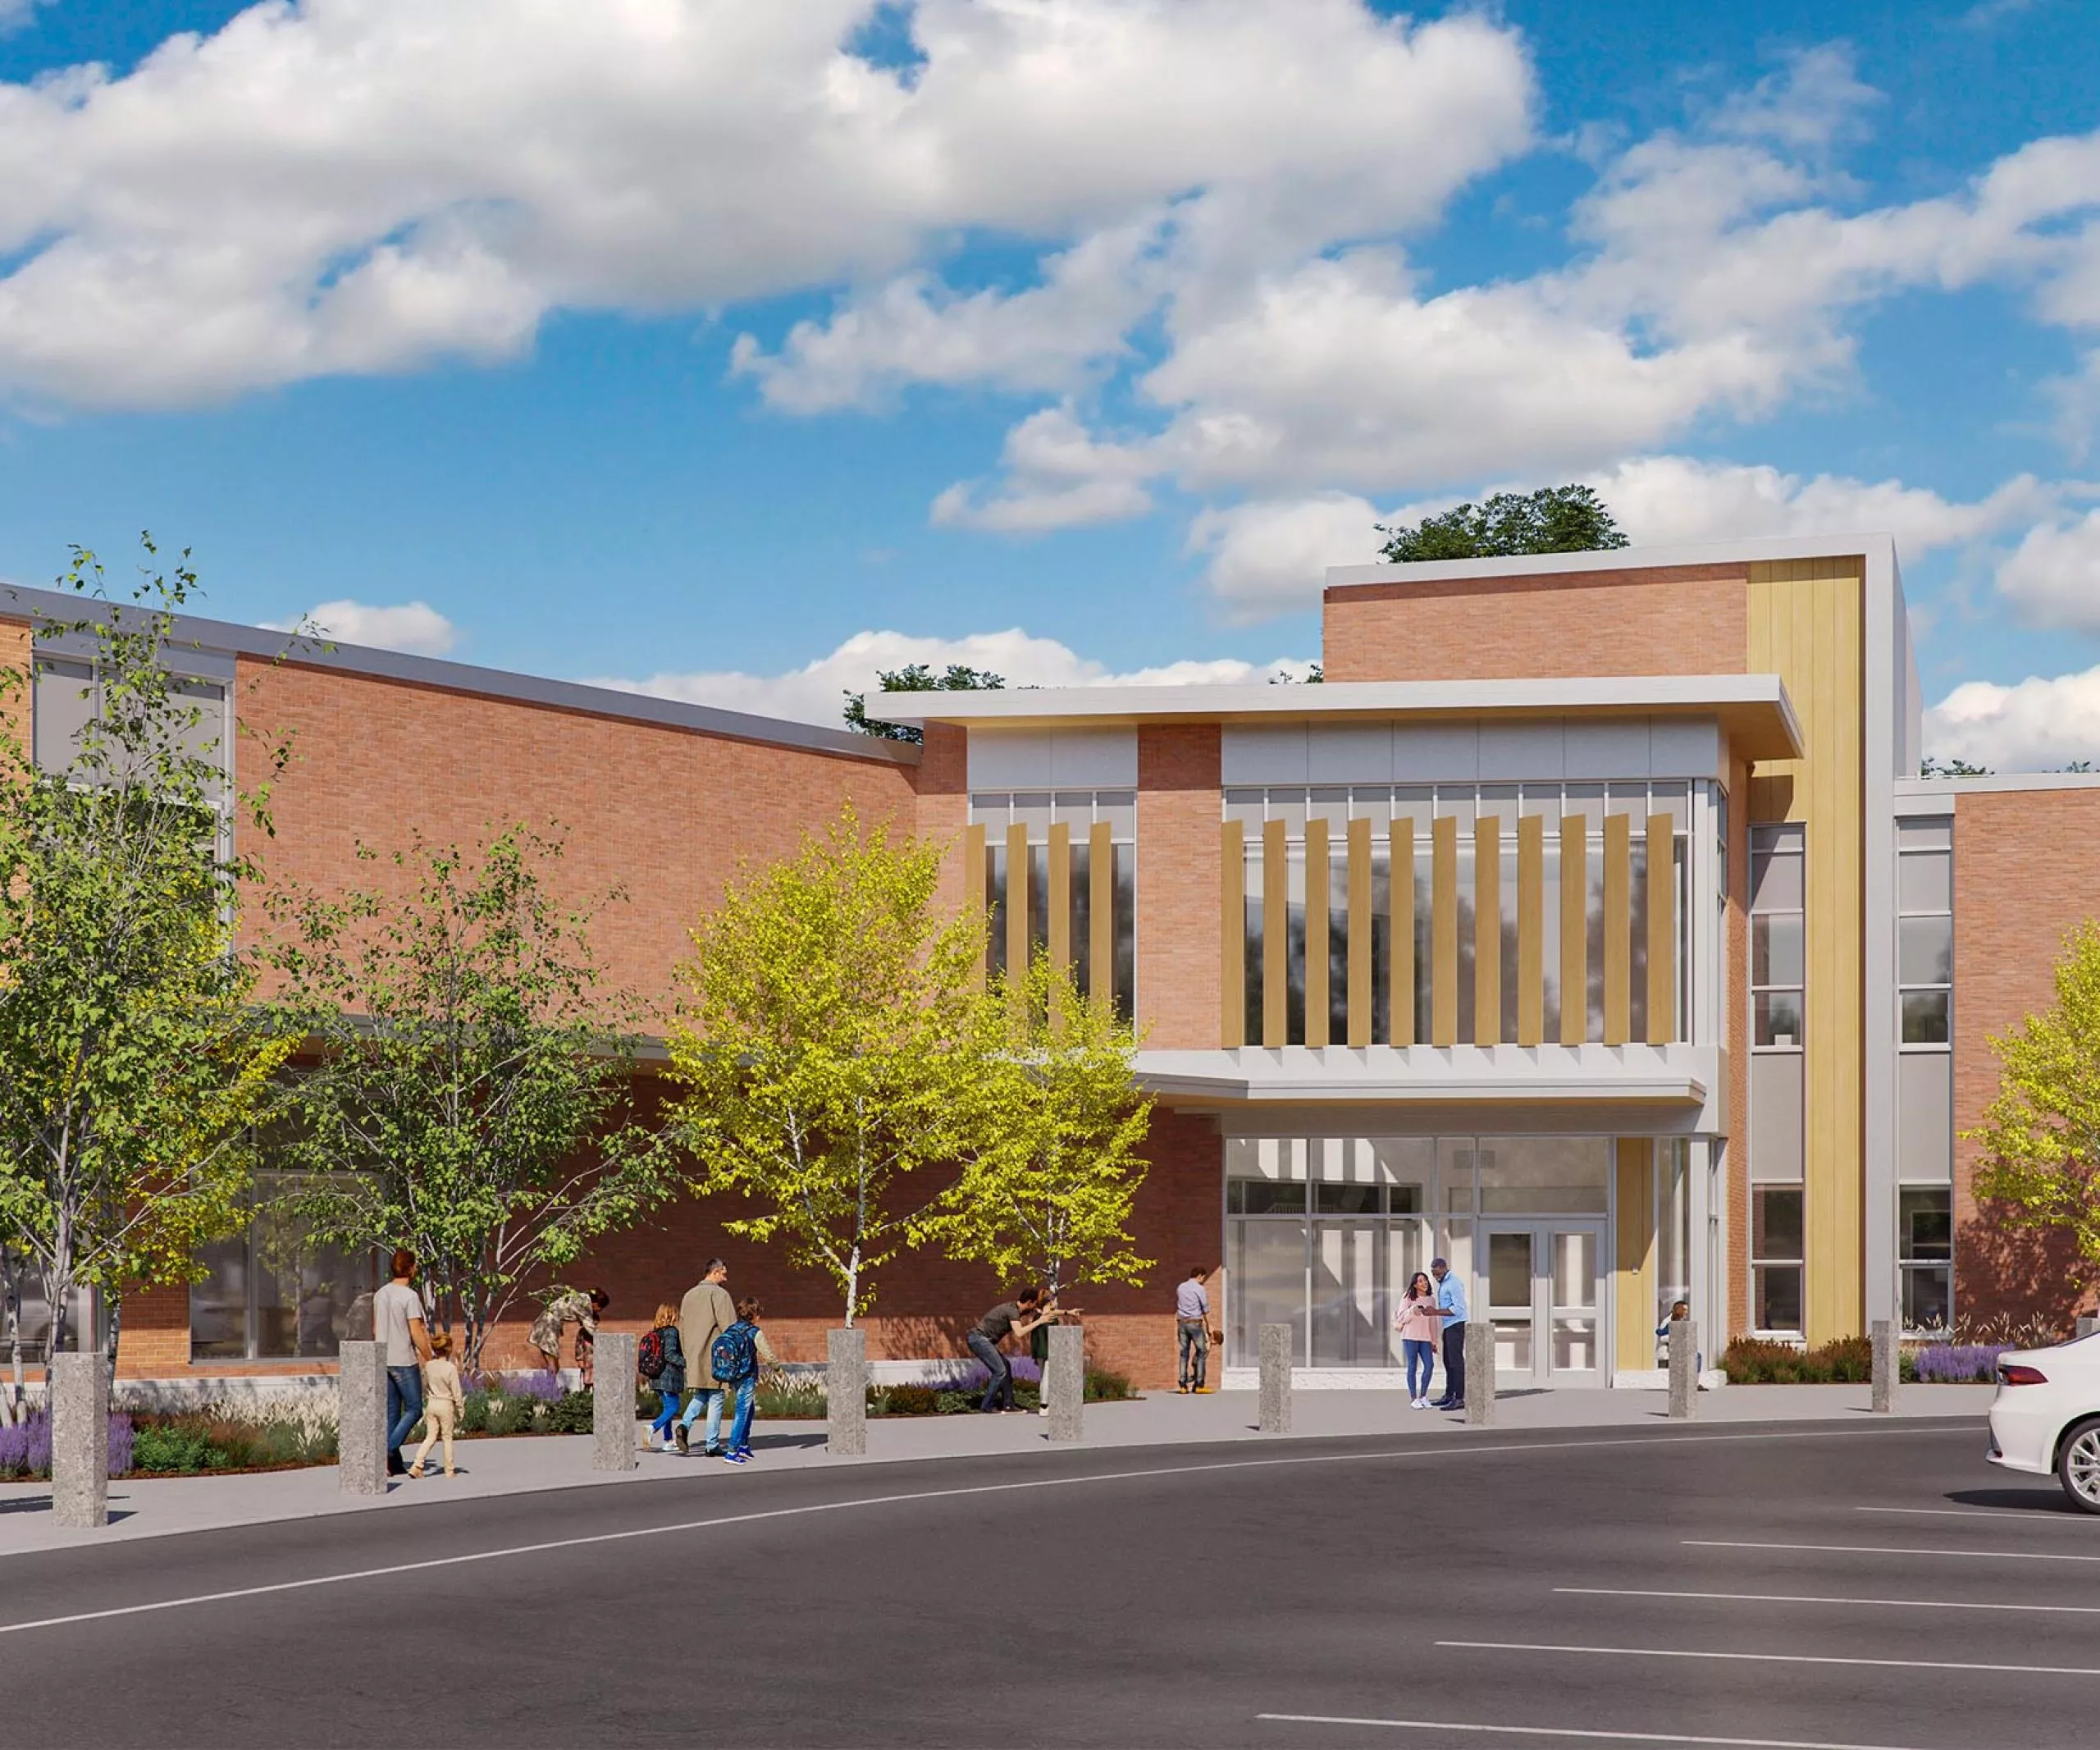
(790, 1397)
(1753, 1361)
(570, 1414)
(1103, 1387)
(904, 1400)
(1958, 1362)
(171, 1446)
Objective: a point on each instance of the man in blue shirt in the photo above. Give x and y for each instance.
(1451, 1303)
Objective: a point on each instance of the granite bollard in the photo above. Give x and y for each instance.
(1684, 1369)
(612, 1401)
(79, 1440)
(1480, 1373)
(846, 1393)
(1064, 1381)
(2087, 1323)
(1276, 1379)
(361, 1418)
(1881, 1335)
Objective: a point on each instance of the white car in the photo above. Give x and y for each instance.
(2046, 1417)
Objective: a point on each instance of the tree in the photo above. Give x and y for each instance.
(2041, 1133)
(474, 1098)
(133, 1064)
(824, 1052)
(1553, 519)
(1053, 1127)
(916, 677)
(1932, 768)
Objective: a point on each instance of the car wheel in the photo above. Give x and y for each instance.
(2077, 1466)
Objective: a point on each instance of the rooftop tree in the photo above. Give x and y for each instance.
(1553, 519)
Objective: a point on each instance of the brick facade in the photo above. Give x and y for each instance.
(1180, 815)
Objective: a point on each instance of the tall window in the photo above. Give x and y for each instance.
(270, 1292)
(1777, 989)
(1062, 830)
(1924, 1071)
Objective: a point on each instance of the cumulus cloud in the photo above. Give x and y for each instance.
(413, 627)
(815, 692)
(2052, 577)
(2041, 724)
(1057, 475)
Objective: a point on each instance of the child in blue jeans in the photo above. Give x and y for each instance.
(670, 1383)
(748, 1314)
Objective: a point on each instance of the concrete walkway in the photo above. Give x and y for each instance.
(145, 1507)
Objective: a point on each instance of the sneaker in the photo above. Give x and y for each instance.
(713, 1452)
(736, 1458)
(678, 1434)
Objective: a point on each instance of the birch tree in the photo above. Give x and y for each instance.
(824, 1050)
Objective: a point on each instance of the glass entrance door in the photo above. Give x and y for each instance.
(1543, 1295)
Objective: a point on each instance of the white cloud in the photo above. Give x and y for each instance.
(1271, 556)
(815, 692)
(1057, 475)
(414, 627)
(2039, 724)
(2052, 577)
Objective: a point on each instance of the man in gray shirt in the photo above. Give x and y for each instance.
(397, 1321)
(1192, 1328)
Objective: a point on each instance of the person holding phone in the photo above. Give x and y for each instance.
(1418, 1320)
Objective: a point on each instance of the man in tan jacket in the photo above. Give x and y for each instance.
(704, 1313)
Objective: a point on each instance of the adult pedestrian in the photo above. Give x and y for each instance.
(1451, 1303)
(397, 1321)
(1192, 1329)
(746, 1385)
(1015, 1318)
(1416, 1319)
(663, 1347)
(704, 1313)
(573, 1306)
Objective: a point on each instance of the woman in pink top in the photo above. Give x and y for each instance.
(1417, 1320)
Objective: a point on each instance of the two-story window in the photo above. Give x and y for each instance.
(1924, 1072)
(1778, 984)
(1060, 876)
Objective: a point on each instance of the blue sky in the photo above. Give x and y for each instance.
(736, 351)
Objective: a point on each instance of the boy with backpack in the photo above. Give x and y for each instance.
(661, 1362)
(738, 1353)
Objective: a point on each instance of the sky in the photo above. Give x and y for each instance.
(736, 352)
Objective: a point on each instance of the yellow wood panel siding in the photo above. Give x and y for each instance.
(1232, 938)
(1444, 931)
(973, 888)
(1805, 624)
(1574, 934)
(1059, 898)
(1275, 934)
(1400, 902)
(1359, 934)
(1487, 932)
(1633, 1273)
(1101, 913)
(1619, 929)
(1017, 899)
(1530, 930)
(1662, 929)
(1316, 932)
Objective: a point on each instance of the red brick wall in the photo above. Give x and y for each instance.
(1676, 620)
(1180, 810)
(2023, 877)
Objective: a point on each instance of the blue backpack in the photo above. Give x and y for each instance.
(733, 1356)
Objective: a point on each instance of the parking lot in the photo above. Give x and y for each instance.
(1866, 1584)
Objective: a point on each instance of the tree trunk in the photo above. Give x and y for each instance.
(10, 1408)
(852, 1283)
(116, 1329)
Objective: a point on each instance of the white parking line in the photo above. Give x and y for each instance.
(1570, 1731)
(1880, 1549)
(1775, 1597)
(1752, 1658)
(2049, 1516)
(1455, 1449)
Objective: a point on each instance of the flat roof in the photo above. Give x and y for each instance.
(54, 607)
(1753, 709)
(1703, 553)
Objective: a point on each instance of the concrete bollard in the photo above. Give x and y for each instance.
(612, 1402)
(80, 1441)
(361, 1418)
(1480, 1373)
(2087, 1323)
(1684, 1369)
(846, 1393)
(1882, 1334)
(1276, 1379)
(1064, 1381)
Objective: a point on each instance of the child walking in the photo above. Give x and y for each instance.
(748, 1314)
(445, 1402)
(670, 1380)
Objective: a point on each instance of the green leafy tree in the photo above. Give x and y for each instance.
(133, 1063)
(917, 677)
(475, 1095)
(2040, 1136)
(1051, 1139)
(1554, 519)
(1932, 768)
(824, 1052)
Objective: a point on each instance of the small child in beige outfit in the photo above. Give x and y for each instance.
(445, 1402)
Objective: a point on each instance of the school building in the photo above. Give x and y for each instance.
(1589, 925)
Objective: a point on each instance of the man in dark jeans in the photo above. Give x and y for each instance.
(397, 1321)
(1019, 1317)
(1451, 1303)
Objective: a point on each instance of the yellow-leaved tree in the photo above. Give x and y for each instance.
(825, 1048)
(2041, 1133)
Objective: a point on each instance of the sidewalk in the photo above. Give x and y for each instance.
(146, 1507)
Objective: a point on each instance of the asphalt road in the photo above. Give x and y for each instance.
(1700, 1586)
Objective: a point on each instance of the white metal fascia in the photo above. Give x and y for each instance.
(1678, 1074)
(1861, 547)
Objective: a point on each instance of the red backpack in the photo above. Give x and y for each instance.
(650, 1358)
